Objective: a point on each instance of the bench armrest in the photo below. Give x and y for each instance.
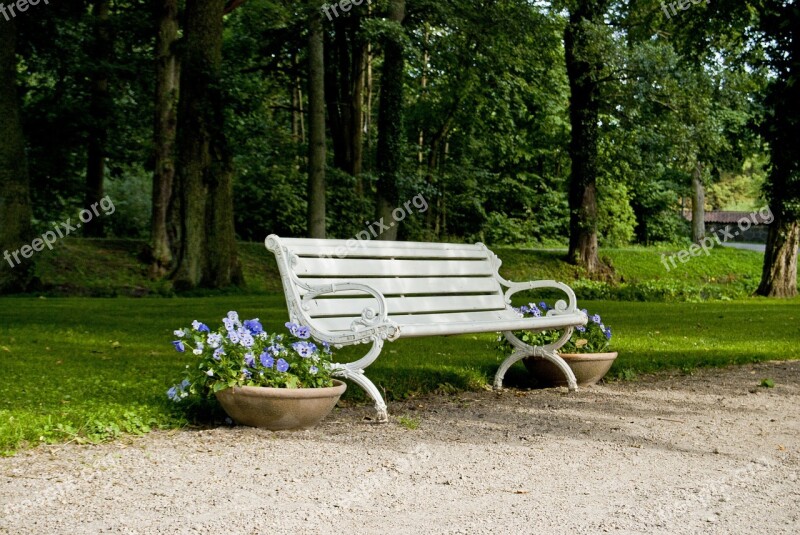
(560, 306)
(372, 323)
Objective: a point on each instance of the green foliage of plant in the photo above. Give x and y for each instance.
(767, 383)
(242, 353)
(594, 337)
(615, 219)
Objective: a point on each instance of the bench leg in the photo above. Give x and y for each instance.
(354, 371)
(358, 377)
(548, 352)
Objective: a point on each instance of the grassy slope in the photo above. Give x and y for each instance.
(89, 369)
(111, 267)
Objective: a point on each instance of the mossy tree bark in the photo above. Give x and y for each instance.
(205, 250)
(15, 202)
(698, 205)
(779, 275)
(164, 128)
(583, 70)
(316, 125)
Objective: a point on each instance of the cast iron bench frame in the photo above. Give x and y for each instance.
(369, 291)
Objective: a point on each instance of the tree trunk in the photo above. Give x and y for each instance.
(99, 113)
(166, 118)
(583, 67)
(344, 81)
(316, 127)
(390, 125)
(205, 250)
(15, 200)
(779, 276)
(698, 206)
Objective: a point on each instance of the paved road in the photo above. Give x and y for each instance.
(760, 247)
(750, 246)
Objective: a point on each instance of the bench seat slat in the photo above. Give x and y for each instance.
(353, 267)
(415, 286)
(352, 307)
(300, 244)
(367, 250)
(461, 323)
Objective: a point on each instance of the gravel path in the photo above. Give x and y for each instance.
(711, 453)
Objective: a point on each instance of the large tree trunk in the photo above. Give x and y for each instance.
(206, 247)
(99, 112)
(345, 64)
(15, 201)
(316, 127)
(583, 67)
(781, 129)
(390, 125)
(779, 276)
(698, 206)
(166, 118)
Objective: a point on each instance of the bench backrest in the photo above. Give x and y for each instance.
(417, 278)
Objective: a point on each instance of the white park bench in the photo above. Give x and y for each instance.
(352, 292)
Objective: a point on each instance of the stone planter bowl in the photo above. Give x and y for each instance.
(587, 367)
(280, 409)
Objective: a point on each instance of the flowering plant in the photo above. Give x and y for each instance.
(244, 354)
(595, 337)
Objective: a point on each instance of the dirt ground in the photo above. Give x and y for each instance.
(708, 453)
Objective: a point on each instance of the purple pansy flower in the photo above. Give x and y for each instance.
(179, 347)
(267, 360)
(200, 327)
(304, 349)
(293, 327)
(282, 365)
(254, 326)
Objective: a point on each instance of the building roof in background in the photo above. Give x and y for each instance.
(724, 216)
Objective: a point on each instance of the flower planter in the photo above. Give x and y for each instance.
(587, 367)
(279, 409)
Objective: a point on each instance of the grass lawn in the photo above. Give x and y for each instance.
(91, 369)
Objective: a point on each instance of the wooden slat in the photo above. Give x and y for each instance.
(354, 248)
(405, 305)
(368, 250)
(343, 323)
(417, 286)
(461, 323)
(350, 267)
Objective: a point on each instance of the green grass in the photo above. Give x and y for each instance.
(108, 268)
(91, 369)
